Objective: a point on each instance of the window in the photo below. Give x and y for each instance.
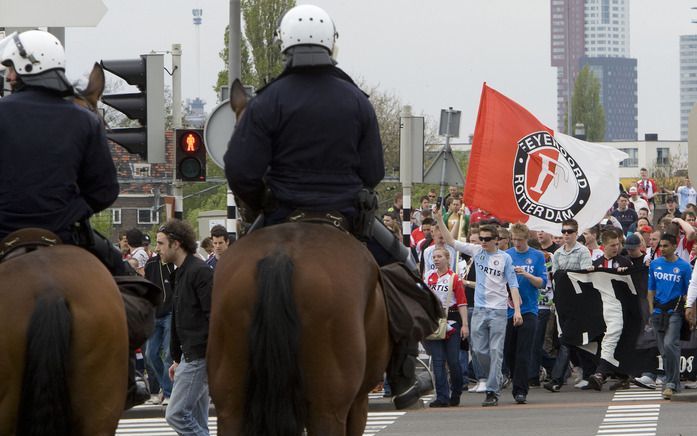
(632, 160)
(662, 156)
(141, 170)
(148, 216)
(116, 216)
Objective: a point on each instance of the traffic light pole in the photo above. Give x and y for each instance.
(177, 123)
(405, 173)
(234, 72)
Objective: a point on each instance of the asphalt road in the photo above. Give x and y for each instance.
(571, 412)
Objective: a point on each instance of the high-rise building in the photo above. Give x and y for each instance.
(618, 95)
(585, 31)
(688, 80)
(606, 28)
(568, 45)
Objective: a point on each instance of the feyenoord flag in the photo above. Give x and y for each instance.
(522, 171)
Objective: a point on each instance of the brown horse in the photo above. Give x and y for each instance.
(298, 331)
(64, 342)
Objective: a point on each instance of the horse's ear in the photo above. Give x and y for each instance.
(95, 86)
(238, 97)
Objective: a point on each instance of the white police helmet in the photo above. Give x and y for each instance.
(307, 25)
(38, 58)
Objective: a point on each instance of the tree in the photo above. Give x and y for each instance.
(586, 107)
(261, 56)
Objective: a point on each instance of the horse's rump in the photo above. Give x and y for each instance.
(74, 286)
(342, 322)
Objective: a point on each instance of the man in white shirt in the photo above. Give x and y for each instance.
(636, 200)
(686, 195)
(491, 301)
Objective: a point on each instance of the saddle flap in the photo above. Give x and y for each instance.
(25, 240)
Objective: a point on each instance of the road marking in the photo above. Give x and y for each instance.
(632, 420)
(377, 421)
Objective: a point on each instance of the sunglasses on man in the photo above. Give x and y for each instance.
(568, 231)
(486, 238)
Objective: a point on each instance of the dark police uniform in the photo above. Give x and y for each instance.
(312, 136)
(55, 165)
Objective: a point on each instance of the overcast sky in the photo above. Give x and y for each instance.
(432, 54)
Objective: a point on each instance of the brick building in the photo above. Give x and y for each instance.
(143, 188)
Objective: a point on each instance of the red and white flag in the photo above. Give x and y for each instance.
(522, 171)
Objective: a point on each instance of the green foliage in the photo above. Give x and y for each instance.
(102, 223)
(586, 106)
(261, 55)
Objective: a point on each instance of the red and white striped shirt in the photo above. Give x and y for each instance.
(440, 284)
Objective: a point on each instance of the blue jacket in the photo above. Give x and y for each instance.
(55, 164)
(312, 136)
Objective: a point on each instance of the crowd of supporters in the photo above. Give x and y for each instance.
(494, 280)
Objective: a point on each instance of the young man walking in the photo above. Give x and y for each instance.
(669, 278)
(529, 266)
(494, 271)
(187, 412)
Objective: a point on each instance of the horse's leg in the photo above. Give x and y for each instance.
(226, 370)
(358, 415)
(99, 354)
(378, 352)
(227, 357)
(13, 321)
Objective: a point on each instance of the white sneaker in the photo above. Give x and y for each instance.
(154, 400)
(690, 385)
(645, 382)
(582, 384)
(481, 387)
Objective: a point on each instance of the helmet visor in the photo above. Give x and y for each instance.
(4, 43)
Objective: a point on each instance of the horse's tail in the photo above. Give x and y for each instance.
(274, 385)
(45, 406)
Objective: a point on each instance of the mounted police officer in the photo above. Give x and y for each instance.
(56, 169)
(309, 143)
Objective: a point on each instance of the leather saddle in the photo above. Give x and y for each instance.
(25, 240)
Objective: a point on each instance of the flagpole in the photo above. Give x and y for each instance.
(446, 153)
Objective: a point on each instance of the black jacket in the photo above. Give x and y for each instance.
(312, 136)
(192, 283)
(55, 164)
(160, 274)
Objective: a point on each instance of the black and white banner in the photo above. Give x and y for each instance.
(601, 311)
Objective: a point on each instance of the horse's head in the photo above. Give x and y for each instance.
(89, 96)
(238, 98)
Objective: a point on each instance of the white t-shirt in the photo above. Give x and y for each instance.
(494, 272)
(140, 255)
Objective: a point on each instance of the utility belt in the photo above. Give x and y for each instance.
(661, 320)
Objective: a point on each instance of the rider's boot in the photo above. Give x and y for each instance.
(138, 391)
(406, 387)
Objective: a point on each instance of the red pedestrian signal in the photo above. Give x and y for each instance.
(191, 155)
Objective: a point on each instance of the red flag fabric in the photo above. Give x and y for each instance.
(522, 171)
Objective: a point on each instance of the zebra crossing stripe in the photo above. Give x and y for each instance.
(631, 420)
(377, 421)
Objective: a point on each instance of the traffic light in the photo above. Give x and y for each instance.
(191, 155)
(146, 106)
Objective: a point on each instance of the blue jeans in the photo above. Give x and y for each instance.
(488, 334)
(669, 346)
(476, 369)
(442, 351)
(187, 412)
(157, 357)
